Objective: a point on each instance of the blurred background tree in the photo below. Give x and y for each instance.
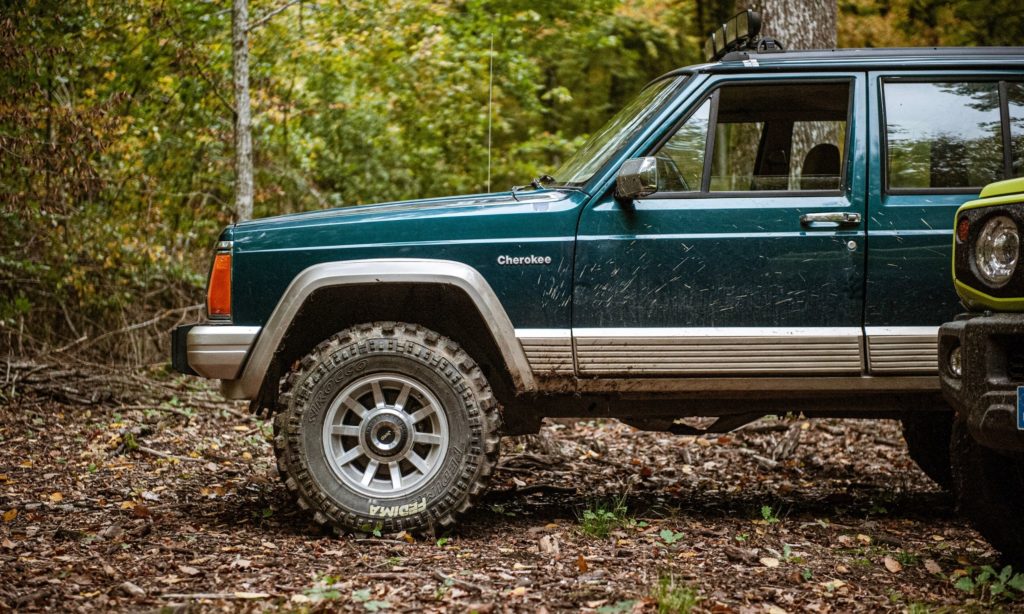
(116, 123)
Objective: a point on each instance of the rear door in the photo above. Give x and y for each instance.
(750, 258)
(940, 138)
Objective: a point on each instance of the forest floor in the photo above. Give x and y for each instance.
(170, 501)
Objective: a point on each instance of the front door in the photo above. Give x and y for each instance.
(750, 257)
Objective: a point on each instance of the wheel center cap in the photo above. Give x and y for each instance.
(386, 434)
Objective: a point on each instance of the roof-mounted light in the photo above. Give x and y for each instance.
(740, 32)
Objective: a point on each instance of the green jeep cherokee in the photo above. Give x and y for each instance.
(761, 234)
(982, 356)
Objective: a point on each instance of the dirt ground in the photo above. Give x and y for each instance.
(174, 503)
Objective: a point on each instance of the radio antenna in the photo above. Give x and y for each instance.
(490, 103)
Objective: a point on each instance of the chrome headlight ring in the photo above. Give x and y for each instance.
(997, 250)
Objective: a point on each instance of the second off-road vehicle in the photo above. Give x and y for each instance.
(982, 363)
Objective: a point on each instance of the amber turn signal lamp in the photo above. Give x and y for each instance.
(963, 229)
(218, 293)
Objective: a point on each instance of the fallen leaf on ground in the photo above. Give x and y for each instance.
(892, 564)
(549, 545)
(768, 561)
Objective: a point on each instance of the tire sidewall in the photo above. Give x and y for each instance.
(990, 491)
(438, 496)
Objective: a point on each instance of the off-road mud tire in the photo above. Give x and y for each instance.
(928, 436)
(452, 376)
(989, 487)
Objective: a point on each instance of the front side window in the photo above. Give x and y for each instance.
(766, 137)
(681, 158)
(943, 135)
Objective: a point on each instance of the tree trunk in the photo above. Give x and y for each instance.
(243, 112)
(797, 24)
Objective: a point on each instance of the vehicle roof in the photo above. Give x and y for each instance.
(908, 58)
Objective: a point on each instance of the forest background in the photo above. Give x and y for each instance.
(116, 124)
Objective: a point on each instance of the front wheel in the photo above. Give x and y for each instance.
(387, 426)
(989, 488)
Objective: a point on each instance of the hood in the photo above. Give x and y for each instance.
(446, 218)
(404, 208)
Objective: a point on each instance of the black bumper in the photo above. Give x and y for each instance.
(179, 349)
(985, 395)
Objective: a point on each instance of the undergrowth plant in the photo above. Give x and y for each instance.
(989, 585)
(601, 518)
(672, 597)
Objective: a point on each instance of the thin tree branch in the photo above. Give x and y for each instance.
(262, 20)
(154, 320)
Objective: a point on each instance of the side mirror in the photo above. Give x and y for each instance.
(636, 178)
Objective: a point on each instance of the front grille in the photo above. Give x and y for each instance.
(1015, 364)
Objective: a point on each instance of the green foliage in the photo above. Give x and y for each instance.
(601, 518)
(362, 597)
(673, 598)
(670, 537)
(909, 23)
(619, 607)
(769, 515)
(323, 590)
(990, 585)
(117, 120)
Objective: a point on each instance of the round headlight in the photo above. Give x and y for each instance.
(996, 250)
(956, 364)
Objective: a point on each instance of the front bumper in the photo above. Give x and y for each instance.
(212, 351)
(992, 358)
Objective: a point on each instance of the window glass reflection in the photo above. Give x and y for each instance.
(943, 135)
(1015, 96)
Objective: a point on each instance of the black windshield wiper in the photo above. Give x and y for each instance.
(537, 183)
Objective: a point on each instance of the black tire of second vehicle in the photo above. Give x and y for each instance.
(434, 360)
(989, 488)
(928, 436)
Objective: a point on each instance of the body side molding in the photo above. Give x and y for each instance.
(374, 271)
(903, 349)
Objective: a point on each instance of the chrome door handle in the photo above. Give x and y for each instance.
(841, 218)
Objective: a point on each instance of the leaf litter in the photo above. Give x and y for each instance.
(171, 499)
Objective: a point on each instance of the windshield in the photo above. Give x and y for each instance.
(607, 142)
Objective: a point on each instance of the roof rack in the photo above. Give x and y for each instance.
(739, 33)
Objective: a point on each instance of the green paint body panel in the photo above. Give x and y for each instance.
(738, 261)
(474, 230)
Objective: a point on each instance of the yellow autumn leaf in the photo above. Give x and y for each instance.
(10, 515)
(56, 497)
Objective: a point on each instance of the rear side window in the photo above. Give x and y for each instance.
(946, 135)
